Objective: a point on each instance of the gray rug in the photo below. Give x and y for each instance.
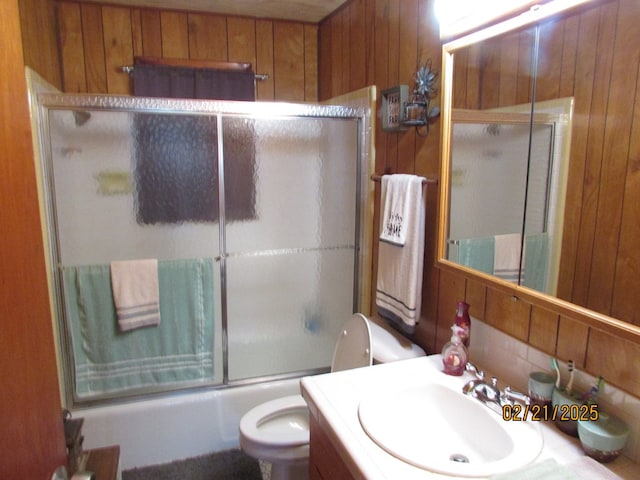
(227, 465)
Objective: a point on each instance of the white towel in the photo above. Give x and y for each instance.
(506, 258)
(136, 293)
(399, 193)
(400, 262)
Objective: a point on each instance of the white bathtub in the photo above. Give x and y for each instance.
(177, 426)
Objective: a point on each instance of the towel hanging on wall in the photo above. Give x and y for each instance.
(400, 194)
(400, 262)
(176, 352)
(506, 258)
(136, 293)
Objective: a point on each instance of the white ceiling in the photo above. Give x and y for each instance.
(299, 10)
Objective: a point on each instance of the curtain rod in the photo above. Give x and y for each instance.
(128, 69)
(425, 180)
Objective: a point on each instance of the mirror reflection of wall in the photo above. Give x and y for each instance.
(589, 54)
(502, 184)
(491, 167)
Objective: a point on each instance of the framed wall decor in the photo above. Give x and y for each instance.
(392, 101)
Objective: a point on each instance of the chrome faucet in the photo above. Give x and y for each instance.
(489, 393)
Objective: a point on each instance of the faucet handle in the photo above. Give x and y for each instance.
(514, 396)
(470, 367)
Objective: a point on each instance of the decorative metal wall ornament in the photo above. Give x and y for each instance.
(417, 111)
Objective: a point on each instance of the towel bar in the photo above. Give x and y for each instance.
(425, 181)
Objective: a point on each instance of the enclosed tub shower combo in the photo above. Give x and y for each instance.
(250, 219)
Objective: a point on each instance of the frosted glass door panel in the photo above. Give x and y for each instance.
(130, 186)
(291, 266)
(304, 182)
(98, 177)
(285, 311)
(540, 168)
(488, 176)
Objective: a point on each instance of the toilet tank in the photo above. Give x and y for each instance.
(390, 346)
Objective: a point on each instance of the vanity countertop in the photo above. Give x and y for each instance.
(333, 401)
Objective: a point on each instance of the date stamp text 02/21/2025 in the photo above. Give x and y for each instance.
(538, 413)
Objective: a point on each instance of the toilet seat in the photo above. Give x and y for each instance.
(277, 430)
(282, 422)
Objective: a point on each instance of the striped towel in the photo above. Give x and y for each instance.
(399, 281)
(136, 293)
(506, 260)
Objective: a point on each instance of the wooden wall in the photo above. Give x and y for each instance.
(381, 42)
(588, 56)
(40, 39)
(97, 40)
(31, 438)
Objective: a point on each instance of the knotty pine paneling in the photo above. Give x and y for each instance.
(39, 39)
(264, 59)
(92, 35)
(241, 42)
(615, 359)
(74, 79)
(310, 63)
(207, 37)
(508, 313)
(615, 159)
(174, 28)
(288, 61)
(543, 330)
(588, 206)
(147, 31)
(118, 48)
(96, 40)
(572, 341)
(582, 89)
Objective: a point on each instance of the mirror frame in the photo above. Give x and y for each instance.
(589, 317)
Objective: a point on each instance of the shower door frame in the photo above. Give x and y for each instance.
(276, 110)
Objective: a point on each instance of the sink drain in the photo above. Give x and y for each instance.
(458, 457)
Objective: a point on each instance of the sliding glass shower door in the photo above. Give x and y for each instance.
(290, 268)
(251, 211)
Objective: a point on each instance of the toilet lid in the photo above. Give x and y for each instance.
(353, 348)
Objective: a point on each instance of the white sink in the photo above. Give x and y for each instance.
(439, 429)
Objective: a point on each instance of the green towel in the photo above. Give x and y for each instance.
(536, 261)
(477, 253)
(179, 350)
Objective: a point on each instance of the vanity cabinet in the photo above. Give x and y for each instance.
(325, 463)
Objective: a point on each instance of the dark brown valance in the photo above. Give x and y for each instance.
(176, 156)
(193, 79)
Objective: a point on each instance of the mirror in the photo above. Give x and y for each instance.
(560, 87)
(507, 191)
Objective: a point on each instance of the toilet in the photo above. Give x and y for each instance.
(277, 431)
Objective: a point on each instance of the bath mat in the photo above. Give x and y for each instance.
(226, 465)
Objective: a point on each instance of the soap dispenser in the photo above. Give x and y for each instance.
(454, 354)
